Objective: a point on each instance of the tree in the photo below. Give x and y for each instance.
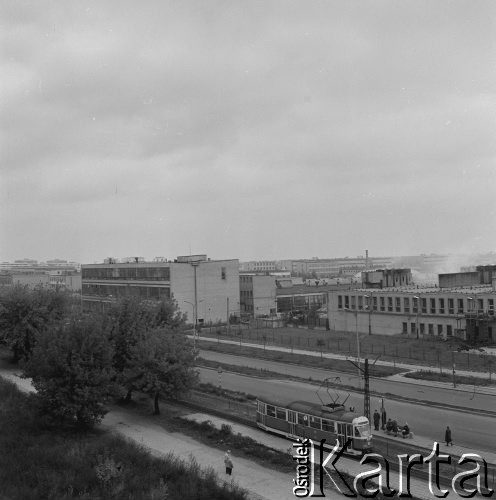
(71, 369)
(24, 313)
(128, 321)
(162, 364)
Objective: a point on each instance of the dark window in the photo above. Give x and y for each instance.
(424, 306)
(439, 329)
(280, 413)
(433, 306)
(315, 422)
(490, 332)
(412, 327)
(490, 306)
(397, 304)
(303, 419)
(271, 410)
(405, 327)
(340, 302)
(415, 305)
(346, 302)
(223, 273)
(382, 302)
(451, 306)
(422, 328)
(374, 302)
(449, 330)
(327, 425)
(406, 305)
(441, 306)
(460, 306)
(390, 304)
(480, 305)
(431, 329)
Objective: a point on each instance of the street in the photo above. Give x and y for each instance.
(473, 431)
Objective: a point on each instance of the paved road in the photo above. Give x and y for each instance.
(406, 389)
(473, 431)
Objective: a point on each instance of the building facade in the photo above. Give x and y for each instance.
(206, 290)
(257, 294)
(441, 312)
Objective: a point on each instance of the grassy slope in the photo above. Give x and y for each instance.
(38, 462)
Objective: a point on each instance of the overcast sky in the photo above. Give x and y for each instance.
(247, 129)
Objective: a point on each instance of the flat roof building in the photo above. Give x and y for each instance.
(206, 290)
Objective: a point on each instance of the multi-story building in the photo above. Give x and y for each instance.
(412, 310)
(258, 266)
(257, 294)
(206, 290)
(330, 268)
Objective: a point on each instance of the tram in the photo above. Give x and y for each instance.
(301, 419)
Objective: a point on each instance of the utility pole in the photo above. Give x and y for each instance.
(454, 371)
(227, 312)
(366, 385)
(366, 390)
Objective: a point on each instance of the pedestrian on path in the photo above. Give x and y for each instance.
(228, 463)
(447, 437)
(377, 419)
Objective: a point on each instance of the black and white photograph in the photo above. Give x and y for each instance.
(247, 249)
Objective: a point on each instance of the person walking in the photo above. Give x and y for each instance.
(377, 419)
(228, 463)
(447, 437)
(384, 420)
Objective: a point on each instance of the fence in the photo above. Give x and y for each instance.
(432, 353)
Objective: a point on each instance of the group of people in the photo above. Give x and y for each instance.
(391, 426)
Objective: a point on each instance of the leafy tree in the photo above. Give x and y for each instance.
(71, 368)
(162, 365)
(24, 313)
(129, 320)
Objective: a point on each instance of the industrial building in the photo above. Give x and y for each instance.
(463, 311)
(206, 290)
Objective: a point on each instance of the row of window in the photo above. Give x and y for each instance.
(127, 273)
(115, 291)
(414, 305)
(301, 419)
(436, 329)
(299, 302)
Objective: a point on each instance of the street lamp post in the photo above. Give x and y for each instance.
(195, 320)
(369, 307)
(417, 298)
(358, 343)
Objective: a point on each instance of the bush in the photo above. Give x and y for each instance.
(37, 462)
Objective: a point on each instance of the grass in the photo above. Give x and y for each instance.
(300, 359)
(41, 462)
(448, 377)
(429, 350)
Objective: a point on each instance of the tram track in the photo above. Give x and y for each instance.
(386, 447)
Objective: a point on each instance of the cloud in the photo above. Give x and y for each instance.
(246, 120)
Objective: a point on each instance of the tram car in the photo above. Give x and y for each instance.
(301, 419)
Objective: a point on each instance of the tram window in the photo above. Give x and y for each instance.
(271, 410)
(315, 422)
(327, 425)
(280, 413)
(357, 432)
(302, 419)
(261, 407)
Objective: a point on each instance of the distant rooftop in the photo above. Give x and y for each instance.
(467, 290)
